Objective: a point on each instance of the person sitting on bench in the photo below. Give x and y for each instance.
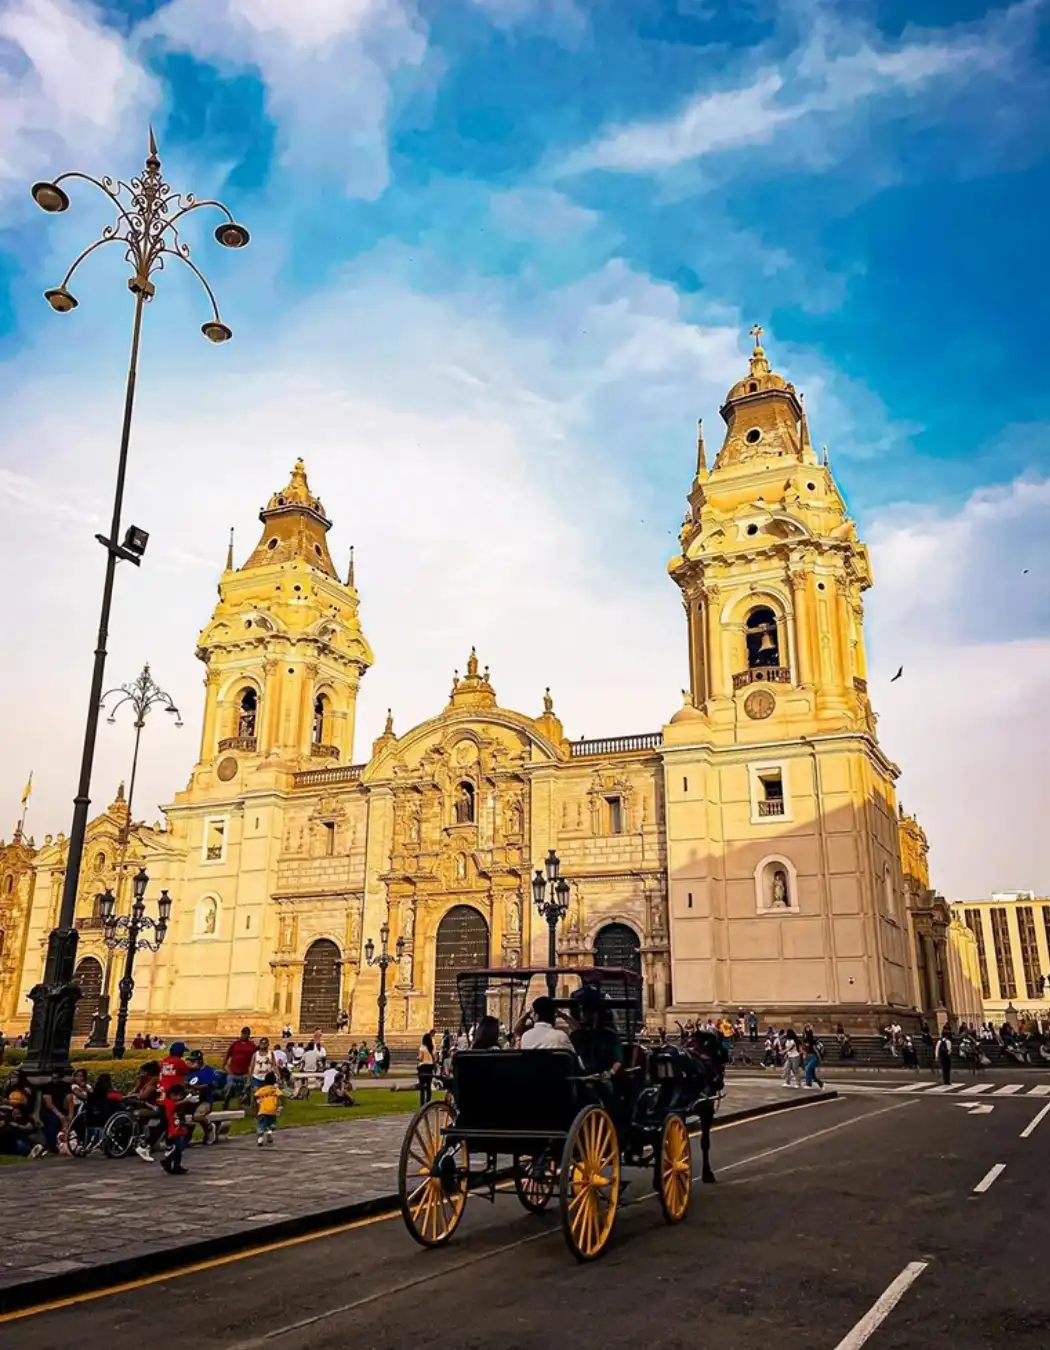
(536, 1030)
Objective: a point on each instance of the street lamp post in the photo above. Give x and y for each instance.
(148, 214)
(125, 931)
(142, 694)
(550, 891)
(384, 960)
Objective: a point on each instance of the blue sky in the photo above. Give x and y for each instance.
(505, 252)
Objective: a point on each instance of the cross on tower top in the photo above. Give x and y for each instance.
(756, 332)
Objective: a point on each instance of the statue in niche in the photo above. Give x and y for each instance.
(408, 931)
(513, 916)
(209, 916)
(780, 889)
(461, 867)
(515, 819)
(464, 804)
(412, 824)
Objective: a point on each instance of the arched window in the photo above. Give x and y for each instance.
(763, 643)
(100, 862)
(465, 804)
(248, 709)
(320, 718)
(9, 883)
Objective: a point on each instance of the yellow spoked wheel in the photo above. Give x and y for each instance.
(432, 1177)
(674, 1170)
(590, 1183)
(535, 1177)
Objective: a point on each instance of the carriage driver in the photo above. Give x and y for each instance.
(595, 1039)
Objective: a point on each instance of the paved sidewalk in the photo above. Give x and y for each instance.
(73, 1223)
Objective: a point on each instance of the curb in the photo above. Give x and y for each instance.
(32, 1294)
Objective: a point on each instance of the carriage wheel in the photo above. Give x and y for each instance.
(535, 1177)
(432, 1177)
(674, 1170)
(590, 1182)
(118, 1136)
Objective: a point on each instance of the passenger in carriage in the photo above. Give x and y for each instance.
(595, 1038)
(487, 1035)
(537, 1031)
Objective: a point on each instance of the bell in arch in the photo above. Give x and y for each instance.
(766, 646)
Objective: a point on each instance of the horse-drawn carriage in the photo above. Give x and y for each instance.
(563, 1123)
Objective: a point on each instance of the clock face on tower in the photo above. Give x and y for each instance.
(759, 704)
(227, 769)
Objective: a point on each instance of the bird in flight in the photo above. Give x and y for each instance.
(899, 673)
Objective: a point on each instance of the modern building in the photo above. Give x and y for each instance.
(748, 854)
(1012, 935)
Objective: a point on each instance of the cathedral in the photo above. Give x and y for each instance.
(748, 854)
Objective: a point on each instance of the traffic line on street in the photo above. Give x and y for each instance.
(976, 1108)
(975, 1089)
(944, 1087)
(1030, 1128)
(1040, 1090)
(913, 1087)
(882, 1307)
(987, 1181)
(1008, 1089)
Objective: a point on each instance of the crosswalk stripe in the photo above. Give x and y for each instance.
(912, 1087)
(1040, 1090)
(975, 1089)
(944, 1087)
(1009, 1089)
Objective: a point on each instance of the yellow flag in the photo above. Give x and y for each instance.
(27, 791)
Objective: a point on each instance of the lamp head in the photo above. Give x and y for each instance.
(216, 332)
(139, 884)
(539, 887)
(231, 235)
(61, 300)
(135, 540)
(370, 950)
(384, 934)
(164, 908)
(562, 892)
(553, 866)
(107, 902)
(50, 197)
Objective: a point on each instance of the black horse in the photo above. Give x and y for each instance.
(691, 1077)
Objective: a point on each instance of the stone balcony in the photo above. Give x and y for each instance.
(246, 743)
(762, 675)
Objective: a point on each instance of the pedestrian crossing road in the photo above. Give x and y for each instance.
(974, 1089)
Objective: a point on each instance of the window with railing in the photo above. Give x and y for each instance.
(215, 839)
(976, 927)
(1004, 956)
(1029, 949)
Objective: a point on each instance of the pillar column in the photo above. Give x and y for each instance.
(800, 602)
(715, 662)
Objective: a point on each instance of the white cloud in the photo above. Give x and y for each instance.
(70, 90)
(326, 66)
(968, 720)
(839, 68)
(540, 213)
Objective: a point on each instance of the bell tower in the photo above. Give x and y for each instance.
(772, 575)
(284, 649)
(785, 881)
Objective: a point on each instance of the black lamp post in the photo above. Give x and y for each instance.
(148, 216)
(384, 960)
(124, 931)
(143, 694)
(550, 891)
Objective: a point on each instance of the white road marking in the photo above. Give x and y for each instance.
(976, 1108)
(985, 1183)
(944, 1087)
(882, 1307)
(1030, 1127)
(782, 1148)
(1040, 1090)
(1008, 1089)
(976, 1088)
(912, 1087)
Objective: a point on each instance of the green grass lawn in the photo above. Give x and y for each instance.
(316, 1111)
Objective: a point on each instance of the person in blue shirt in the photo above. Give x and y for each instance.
(203, 1083)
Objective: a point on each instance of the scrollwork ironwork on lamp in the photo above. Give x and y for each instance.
(384, 960)
(125, 932)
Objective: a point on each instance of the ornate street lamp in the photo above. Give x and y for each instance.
(550, 891)
(142, 695)
(148, 217)
(125, 931)
(384, 960)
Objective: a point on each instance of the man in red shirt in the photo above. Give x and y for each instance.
(173, 1068)
(237, 1063)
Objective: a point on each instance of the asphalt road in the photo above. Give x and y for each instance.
(816, 1214)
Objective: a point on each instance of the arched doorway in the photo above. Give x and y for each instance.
(616, 944)
(88, 975)
(462, 944)
(319, 1005)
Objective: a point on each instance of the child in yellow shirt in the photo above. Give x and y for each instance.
(267, 1104)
